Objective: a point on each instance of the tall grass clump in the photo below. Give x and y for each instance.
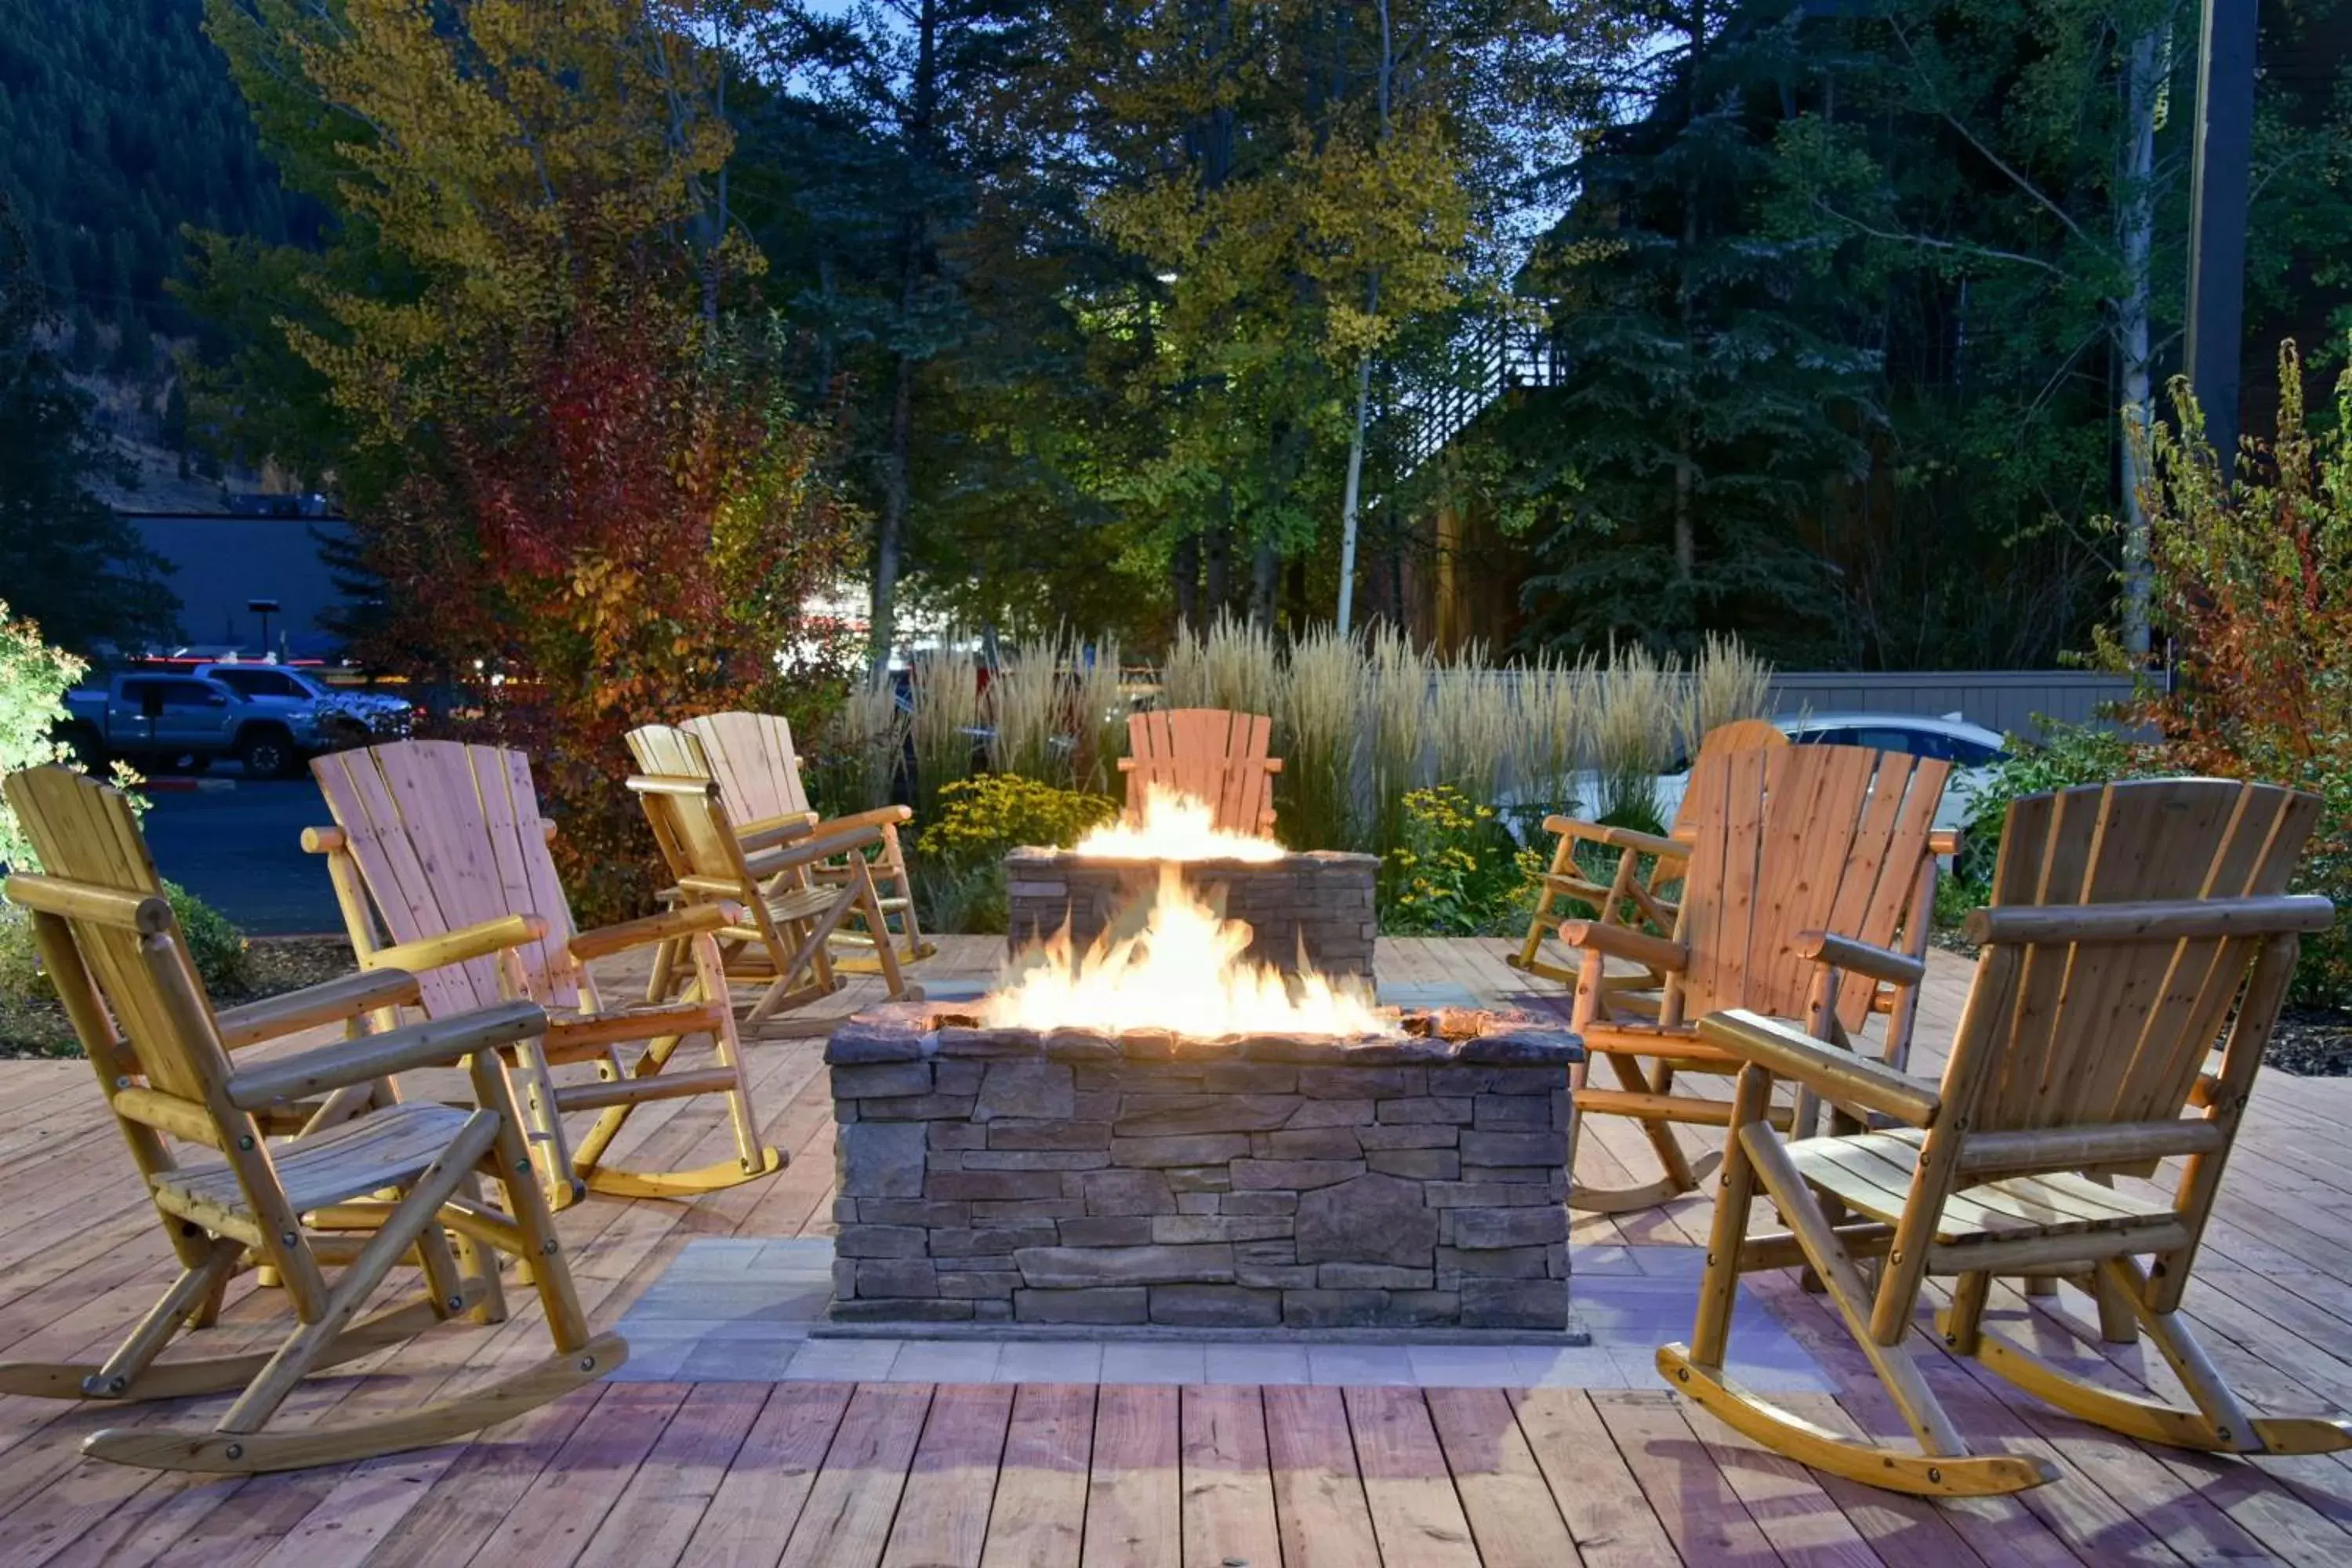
(1098, 708)
(1185, 680)
(1314, 736)
(1726, 682)
(1474, 720)
(1552, 701)
(1635, 720)
(1397, 678)
(1243, 669)
(947, 711)
(869, 734)
(1023, 709)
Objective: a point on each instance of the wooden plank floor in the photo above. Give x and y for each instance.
(843, 1474)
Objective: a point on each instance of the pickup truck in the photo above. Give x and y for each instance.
(159, 719)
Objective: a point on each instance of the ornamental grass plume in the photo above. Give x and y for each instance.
(1185, 680)
(1552, 703)
(1315, 733)
(1726, 682)
(1024, 712)
(1396, 681)
(1097, 714)
(870, 730)
(1637, 714)
(1242, 669)
(947, 712)
(1473, 722)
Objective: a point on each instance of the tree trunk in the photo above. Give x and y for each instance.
(2135, 246)
(1218, 552)
(1354, 488)
(1184, 578)
(914, 241)
(1265, 569)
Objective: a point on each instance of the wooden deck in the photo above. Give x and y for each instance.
(840, 1474)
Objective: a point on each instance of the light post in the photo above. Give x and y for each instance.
(265, 608)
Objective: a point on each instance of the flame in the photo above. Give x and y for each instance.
(1175, 827)
(1183, 972)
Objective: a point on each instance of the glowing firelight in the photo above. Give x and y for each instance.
(1175, 827)
(1183, 972)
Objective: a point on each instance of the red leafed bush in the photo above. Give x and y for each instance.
(622, 530)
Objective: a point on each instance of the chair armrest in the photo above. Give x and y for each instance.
(1618, 838)
(1623, 942)
(1840, 1076)
(348, 997)
(438, 1042)
(807, 851)
(1860, 957)
(1943, 841)
(770, 831)
(682, 921)
(458, 946)
(881, 816)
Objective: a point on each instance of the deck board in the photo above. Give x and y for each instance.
(756, 1475)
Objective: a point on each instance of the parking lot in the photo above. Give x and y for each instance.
(240, 849)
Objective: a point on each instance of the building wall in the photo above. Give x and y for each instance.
(218, 565)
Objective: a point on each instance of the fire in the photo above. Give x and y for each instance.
(1175, 827)
(1183, 972)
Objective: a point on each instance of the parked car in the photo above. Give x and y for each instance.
(1972, 749)
(157, 721)
(346, 717)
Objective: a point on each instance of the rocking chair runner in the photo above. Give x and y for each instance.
(759, 775)
(408, 1173)
(1794, 851)
(441, 845)
(1566, 883)
(1209, 754)
(2134, 920)
(779, 917)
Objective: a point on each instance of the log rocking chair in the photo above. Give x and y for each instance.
(367, 1183)
(442, 846)
(1209, 754)
(2136, 926)
(1809, 878)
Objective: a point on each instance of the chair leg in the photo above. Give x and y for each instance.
(871, 903)
(185, 1300)
(1944, 1467)
(551, 1273)
(1719, 1286)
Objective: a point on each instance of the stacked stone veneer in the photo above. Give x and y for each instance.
(1320, 902)
(1069, 1177)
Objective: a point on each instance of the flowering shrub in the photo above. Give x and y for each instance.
(959, 866)
(1455, 871)
(2254, 579)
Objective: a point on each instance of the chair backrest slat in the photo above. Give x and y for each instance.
(752, 757)
(2118, 1031)
(1211, 753)
(448, 835)
(84, 832)
(1786, 839)
(695, 831)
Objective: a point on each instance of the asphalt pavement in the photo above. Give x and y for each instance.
(240, 850)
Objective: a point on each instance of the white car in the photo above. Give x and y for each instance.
(1972, 749)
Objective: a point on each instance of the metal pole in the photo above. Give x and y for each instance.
(2220, 181)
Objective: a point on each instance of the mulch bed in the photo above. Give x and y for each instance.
(278, 965)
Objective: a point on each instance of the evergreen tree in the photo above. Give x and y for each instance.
(69, 561)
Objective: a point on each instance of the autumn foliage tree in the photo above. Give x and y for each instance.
(607, 511)
(2253, 581)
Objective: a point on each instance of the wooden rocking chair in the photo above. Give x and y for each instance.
(440, 843)
(406, 1174)
(780, 917)
(2134, 923)
(1648, 899)
(1209, 754)
(1794, 851)
(759, 775)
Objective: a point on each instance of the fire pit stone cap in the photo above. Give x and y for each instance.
(914, 1031)
(1047, 854)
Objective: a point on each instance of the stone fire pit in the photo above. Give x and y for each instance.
(1258, 1182)
(1320, 900)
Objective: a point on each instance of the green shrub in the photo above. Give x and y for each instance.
(959, 869)
(2066, 755)
(221, 958)
(1456, 871)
